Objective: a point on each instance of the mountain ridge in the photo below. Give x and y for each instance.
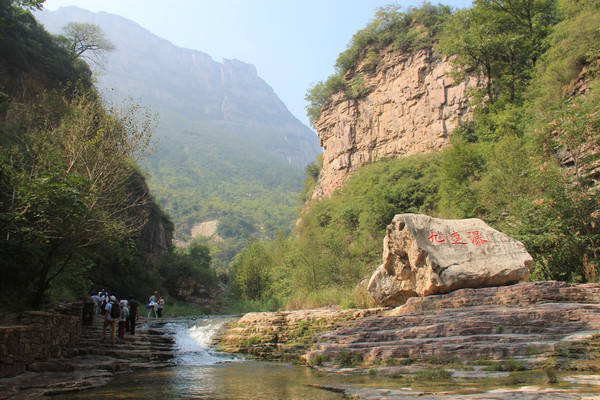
(227, 143)
(228, 92)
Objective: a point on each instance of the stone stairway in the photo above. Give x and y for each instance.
(93, 362)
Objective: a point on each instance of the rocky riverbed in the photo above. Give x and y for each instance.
(533, 333)
(93, 362)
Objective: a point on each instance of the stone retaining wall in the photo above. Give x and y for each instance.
(41, 335)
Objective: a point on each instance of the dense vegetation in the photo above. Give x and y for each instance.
(208, 173)
(525, 163)
(75, 210)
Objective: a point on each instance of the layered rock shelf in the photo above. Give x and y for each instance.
(92, 362)
(532, 321)
(284, 334)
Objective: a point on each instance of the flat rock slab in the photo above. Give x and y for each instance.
(423, 255)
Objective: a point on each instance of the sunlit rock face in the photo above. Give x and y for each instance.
(424, 256)
(413, 106)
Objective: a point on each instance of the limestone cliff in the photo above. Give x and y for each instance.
(413, 105)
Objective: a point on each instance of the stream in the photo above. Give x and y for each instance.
(202, 373)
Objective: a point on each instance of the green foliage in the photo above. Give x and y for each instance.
(433, 374)
(524, 163)
(251, 272)
(356, 88)
(235, 226)
(347, 359)
(211, 172)
(460, 167)
(67, 185)
(500, 40)
(312, 175)
(338, 240)
(318, 359)
(414, 29)
(320, 93)
(32, 59)
(540, 148)
(175, 308)
(75, 211)
(573, 44)
(190, 268)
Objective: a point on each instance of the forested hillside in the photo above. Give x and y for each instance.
(75, 211)
(527, 162)
(227, 148)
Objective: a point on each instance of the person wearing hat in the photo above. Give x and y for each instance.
(110, 319)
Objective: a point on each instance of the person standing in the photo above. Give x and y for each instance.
(161, 305)
(154, 298)
(133, 314)
(123, 314)
(111, 315)
(152, 305)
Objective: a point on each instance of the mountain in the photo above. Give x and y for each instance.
(226, 143)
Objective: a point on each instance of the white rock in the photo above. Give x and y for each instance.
(423, 255)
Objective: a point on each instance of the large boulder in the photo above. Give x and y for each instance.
(424, 256)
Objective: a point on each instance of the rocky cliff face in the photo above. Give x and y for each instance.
(413, 106)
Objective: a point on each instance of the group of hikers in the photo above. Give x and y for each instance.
(121, 315)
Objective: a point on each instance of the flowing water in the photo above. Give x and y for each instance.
(202, 373)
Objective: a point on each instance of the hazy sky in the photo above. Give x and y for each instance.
(292, 43)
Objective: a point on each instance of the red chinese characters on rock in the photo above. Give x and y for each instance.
(477, 239)
(456, 238)
(436, 238)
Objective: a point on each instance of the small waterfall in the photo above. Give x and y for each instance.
(193, 339)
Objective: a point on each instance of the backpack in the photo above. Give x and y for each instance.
(114, 310)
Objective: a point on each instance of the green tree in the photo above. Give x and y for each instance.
(189, 268)
(66, 178)
(501, 40)
(251, 272)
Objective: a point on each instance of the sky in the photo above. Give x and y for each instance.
(293, 44)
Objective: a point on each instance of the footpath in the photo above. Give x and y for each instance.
(93, 362)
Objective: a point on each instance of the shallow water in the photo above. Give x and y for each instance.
(202, 373)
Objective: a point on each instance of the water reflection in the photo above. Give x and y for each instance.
(244, 380)
(202, 373)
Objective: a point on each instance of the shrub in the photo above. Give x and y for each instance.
(434, 374)
(318, 359)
